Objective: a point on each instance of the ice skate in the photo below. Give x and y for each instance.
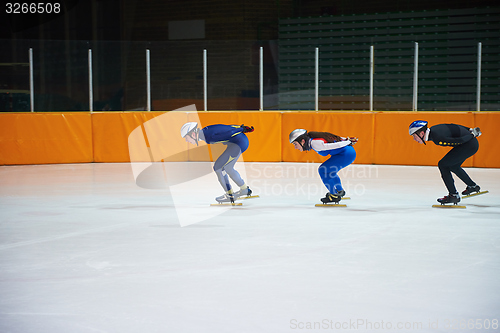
(468, 192)
(329, 198)
(471, 189)
(243, 193)
(451, 198)
(226, 197)
(340, 193)
(225, 200)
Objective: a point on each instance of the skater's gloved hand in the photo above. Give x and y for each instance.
(247, 129)
(475, 131)
(353, 139)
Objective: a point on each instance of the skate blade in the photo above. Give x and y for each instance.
(474, 194)
(248, 197)
(448, 206)
(330, 205)
(227, 204)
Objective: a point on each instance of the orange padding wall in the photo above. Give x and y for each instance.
(38, 138)
(75, 137)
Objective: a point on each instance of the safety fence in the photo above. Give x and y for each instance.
(77, 137)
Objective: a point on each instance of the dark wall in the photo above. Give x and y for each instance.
(147, 20)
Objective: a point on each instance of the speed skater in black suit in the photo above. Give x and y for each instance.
(465, 144)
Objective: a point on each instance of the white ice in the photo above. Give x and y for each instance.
(83, 248)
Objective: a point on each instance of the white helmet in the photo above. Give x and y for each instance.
(296, 133)
(187, 128)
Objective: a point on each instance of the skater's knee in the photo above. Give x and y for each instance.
(323, 171)
(443, 165)
(329, 170)
(219, 172)
(456, 169)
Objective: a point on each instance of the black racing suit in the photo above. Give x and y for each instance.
(464, 146)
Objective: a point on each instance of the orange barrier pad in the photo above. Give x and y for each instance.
(358, 124)
(265, 141)
(41, 138)
(161, 140)
(74, 137)
(394, 145)
(384, 138)
(156, 136)
(488, 155)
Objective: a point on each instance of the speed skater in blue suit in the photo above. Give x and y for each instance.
(341, 154)
(232, 136)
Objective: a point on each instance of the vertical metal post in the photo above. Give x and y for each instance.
(372, 70)
(261, 78)
(148, 82)
(91, 92)
(478, 93)
(316, 80)
(32, 86)
(415, 79)
(205, 80)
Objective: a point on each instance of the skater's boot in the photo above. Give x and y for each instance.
(451, 198)
(246, 192)
(331, 198)
(340, 193)
(471, 189)
(227, 197)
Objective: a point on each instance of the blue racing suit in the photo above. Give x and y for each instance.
(341, 154)
(236, 141)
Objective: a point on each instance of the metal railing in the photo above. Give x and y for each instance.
(240, 76)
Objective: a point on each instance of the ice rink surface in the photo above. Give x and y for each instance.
(83, 248)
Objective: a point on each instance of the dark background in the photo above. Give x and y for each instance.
(119, 32)
(146, 20)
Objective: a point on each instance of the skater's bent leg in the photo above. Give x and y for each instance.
(233, 174)
(223, 179)
(452, 162)
(329, 169)
(464, 152)
(457, 170)
(328, 174)
(447, 177)
(224, 166)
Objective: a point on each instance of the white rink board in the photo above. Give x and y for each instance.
(84, 249)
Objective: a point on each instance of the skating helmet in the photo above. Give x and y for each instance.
(296, 133)
(188, 128)
(417, 126)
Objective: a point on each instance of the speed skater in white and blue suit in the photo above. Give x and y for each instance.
(233, 136)
(341, 153)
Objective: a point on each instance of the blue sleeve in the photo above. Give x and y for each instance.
(220, 133)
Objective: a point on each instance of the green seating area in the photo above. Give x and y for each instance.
(447, 70)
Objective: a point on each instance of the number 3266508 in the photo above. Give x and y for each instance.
(32, 8)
